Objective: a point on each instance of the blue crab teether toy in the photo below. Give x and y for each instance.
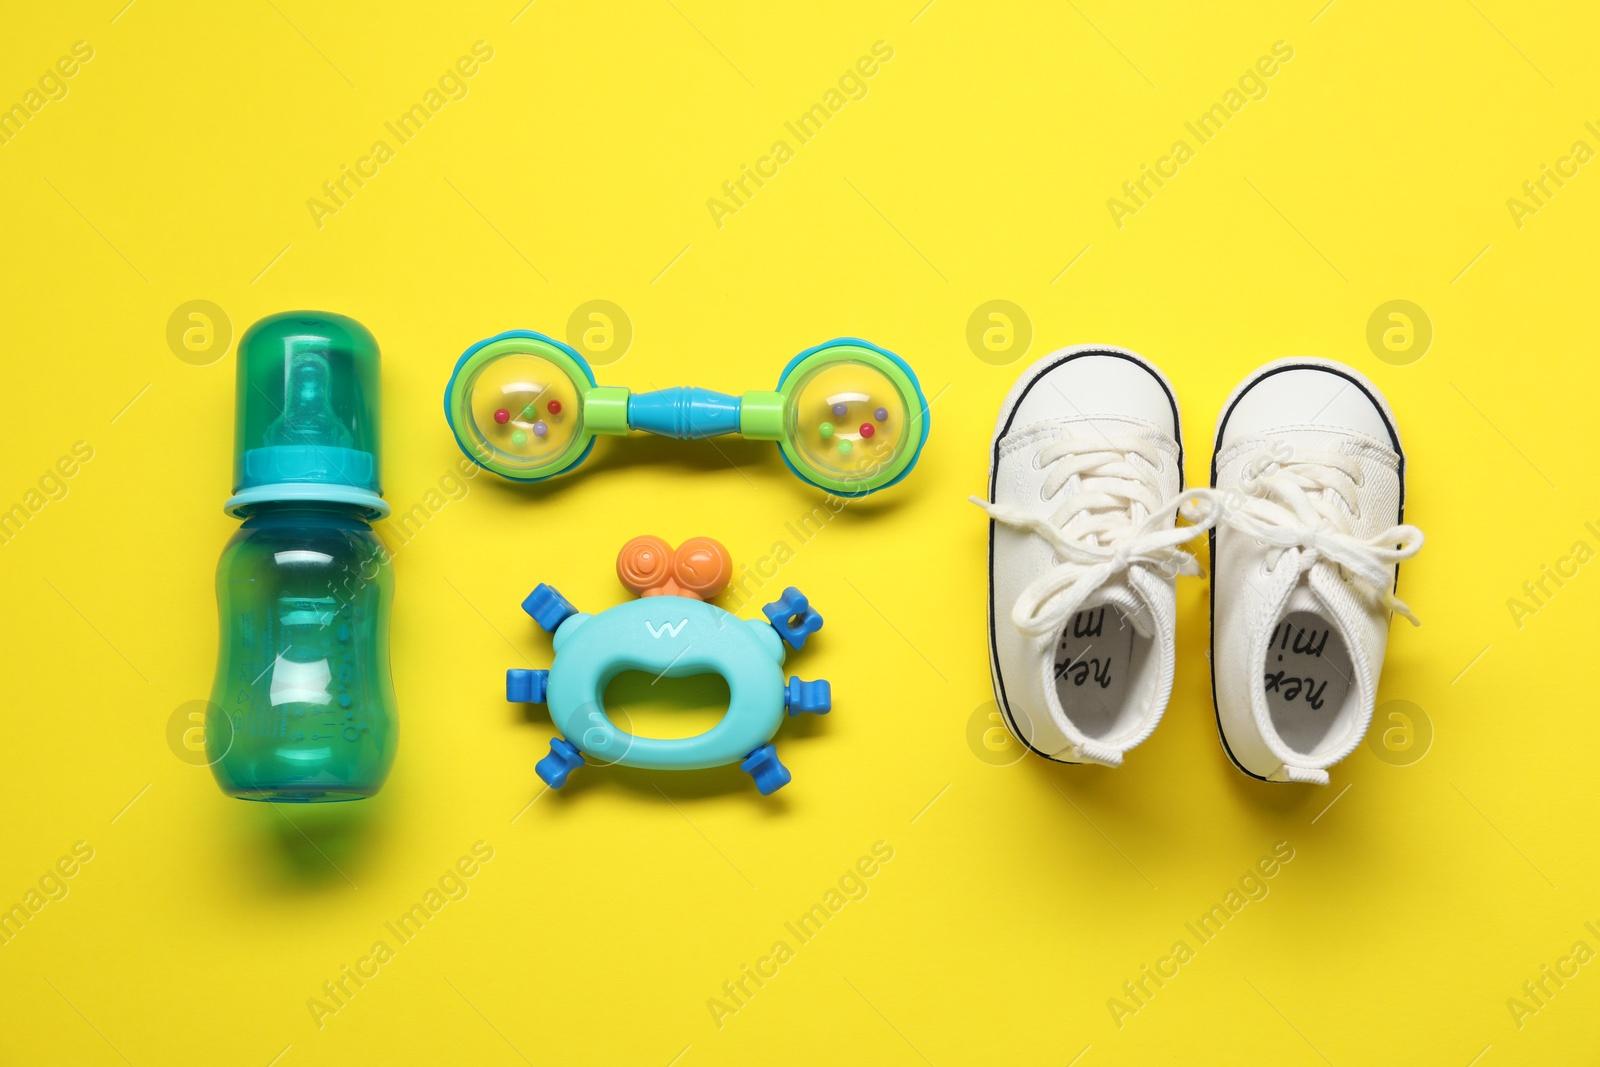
(672, 632)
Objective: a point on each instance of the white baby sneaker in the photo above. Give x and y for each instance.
(1084, 475)
(1308, 491)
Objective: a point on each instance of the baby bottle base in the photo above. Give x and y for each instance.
(300, 794)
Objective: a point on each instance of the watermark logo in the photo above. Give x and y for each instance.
(199, 332)
(999, 332)
(453, 886)
(1538, 191)
(1538, 991)
(1538, 591)
(1399, 332)
(51, 887)
(1139, 191)
(186, 732)
(452, 85)
(989, 738)
(601, 332)
(1252, 887)
(737, 192)
(608, 735)
(52, 85)
(52, 486)
(851, 887)
(1401, 733)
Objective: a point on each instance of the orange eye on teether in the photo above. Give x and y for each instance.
(699, 569)
(702, 567)
(644, 564)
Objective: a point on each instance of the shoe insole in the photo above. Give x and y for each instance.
(1093, 662)
(1308, 678)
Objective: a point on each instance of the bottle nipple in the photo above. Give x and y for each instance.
(308, 417)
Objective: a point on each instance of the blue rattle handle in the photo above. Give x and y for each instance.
(686, 412)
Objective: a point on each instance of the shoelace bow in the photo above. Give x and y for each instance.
(1094, 531)
(1290, 506)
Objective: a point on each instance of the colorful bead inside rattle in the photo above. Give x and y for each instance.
(847, 419)
(522, 409)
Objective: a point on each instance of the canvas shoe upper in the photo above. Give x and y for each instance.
(1308, 491)
(1084, 474)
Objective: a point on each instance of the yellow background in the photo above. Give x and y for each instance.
(1021, 895)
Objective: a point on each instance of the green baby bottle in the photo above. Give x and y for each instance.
(302, 709)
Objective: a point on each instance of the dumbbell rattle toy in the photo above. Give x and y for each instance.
(848, 416)
(671, 632)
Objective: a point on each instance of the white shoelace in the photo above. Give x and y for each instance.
(1095, 531)
(1289, 506)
